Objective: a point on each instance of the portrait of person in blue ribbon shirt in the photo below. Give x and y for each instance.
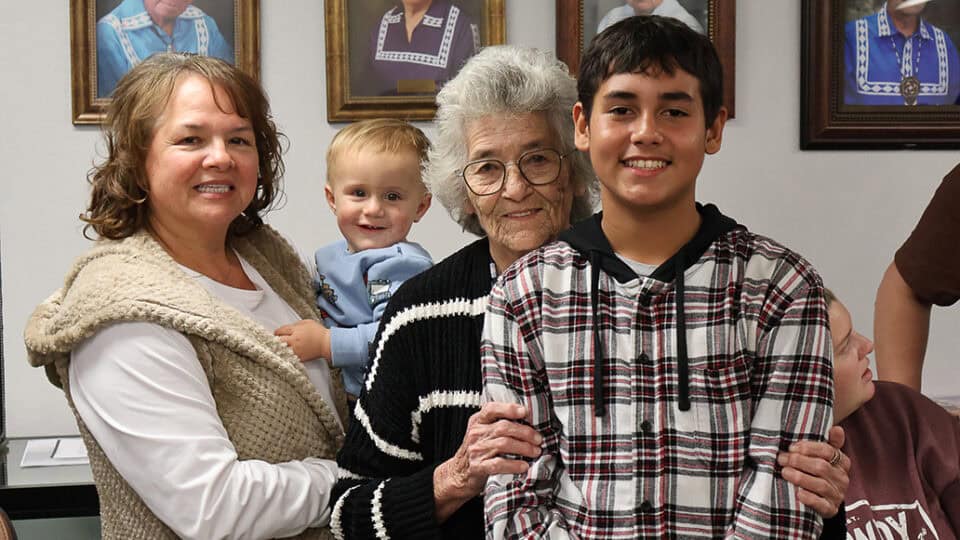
(412, 46)
(902, 53)
(128, 31)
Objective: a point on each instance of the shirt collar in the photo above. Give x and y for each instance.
(142, 19)
(434, 17)
(884, 28)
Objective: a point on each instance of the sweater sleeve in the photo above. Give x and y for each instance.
(835, 527)
(792, 388)
(130, 374)
(386, 481)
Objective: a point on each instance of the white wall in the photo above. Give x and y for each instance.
(846, 211)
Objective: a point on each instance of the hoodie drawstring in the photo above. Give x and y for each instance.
(599, 407)
(588, 239)
(683, 368)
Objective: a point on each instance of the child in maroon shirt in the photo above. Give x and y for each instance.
(904, 448)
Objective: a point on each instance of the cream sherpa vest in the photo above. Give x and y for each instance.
(269, 408)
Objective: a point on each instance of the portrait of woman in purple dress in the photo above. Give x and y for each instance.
(418, 45)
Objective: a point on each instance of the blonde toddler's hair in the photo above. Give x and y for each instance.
(387, 135)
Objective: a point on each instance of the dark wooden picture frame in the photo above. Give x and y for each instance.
(826, 122)
(344, 102)
(721, 28)
(90, 108)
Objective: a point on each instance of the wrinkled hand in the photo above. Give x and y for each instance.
(807, 465)
(491, 432)
(309, 339)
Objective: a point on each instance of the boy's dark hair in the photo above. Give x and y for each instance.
(646, 44)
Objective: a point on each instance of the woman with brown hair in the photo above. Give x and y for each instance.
(162, 337)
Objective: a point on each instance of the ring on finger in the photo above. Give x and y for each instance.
(835, 460)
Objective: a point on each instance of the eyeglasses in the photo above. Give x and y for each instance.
(538, 167)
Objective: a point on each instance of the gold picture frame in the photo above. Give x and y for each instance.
(350, 28)
(239, 26)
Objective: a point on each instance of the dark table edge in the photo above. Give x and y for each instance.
(50, 501)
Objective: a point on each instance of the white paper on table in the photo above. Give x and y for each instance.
(54, 452)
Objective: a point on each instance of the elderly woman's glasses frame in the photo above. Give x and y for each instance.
(538, 167)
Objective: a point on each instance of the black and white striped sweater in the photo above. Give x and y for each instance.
(422, 387)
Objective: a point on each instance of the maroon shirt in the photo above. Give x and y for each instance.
(929, 260)
(905, 477)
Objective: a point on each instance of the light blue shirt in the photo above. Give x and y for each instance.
(353, 290)
(877, 57)
(127, 35)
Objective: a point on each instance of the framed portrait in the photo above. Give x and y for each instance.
(878, 75)
(578, 21)
(108, 37)
(390, 57)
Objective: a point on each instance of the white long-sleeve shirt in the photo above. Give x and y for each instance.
(142, 393)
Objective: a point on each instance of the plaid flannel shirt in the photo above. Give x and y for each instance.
(760, 378)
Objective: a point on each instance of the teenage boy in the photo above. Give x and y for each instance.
(664, 353)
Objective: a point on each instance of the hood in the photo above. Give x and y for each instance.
(588, 239)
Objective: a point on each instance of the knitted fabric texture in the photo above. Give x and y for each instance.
(422, 387)
(269, 408)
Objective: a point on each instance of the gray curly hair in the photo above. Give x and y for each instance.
(511, 80)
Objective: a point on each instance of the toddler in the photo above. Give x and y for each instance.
(374, 189)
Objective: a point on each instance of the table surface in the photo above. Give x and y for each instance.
(44, 492)
(17, 476)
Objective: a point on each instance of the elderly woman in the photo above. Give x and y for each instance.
(504, 166)
(199, 423)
